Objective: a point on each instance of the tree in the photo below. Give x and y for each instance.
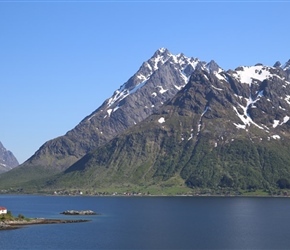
(21, 216)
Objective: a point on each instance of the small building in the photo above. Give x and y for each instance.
(3, 210)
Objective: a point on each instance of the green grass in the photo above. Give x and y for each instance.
(258, 192)
(272, 192)
(9, 216)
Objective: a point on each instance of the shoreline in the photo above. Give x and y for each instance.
(16, 224)
(151, 195)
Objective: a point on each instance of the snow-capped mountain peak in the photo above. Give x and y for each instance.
(184, 65)
(159, 58)
(141, 76)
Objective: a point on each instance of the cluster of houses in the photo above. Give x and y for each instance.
(3, 210)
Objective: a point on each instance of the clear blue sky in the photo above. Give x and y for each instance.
(59, 60)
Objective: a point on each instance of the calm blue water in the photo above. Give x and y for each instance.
(152, 223)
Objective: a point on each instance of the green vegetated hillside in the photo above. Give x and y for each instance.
(160, 156)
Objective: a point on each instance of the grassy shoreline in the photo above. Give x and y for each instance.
(154, 190)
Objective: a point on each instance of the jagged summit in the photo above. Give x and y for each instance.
(212, 66)
(277, 64)
(285, 66)
(161, 53)
(153, 75)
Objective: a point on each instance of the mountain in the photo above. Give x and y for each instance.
(7, 159)
(177, 123)
(222, 131)
(156, 81)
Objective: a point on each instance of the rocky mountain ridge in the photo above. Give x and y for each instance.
(7, 159)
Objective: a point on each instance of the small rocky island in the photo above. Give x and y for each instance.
(79, 212)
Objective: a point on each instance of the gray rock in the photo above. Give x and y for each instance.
(79, 212)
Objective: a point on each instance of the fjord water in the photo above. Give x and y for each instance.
(152, 223)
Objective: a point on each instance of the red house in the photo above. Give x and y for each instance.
(3, 210)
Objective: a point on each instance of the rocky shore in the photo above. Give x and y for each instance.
(14, 224)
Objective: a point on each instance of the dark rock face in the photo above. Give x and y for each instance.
(286, 68)
(277, 64)
(7, 160)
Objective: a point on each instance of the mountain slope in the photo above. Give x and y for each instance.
(157, 80)
(222, 130)
(7, 159)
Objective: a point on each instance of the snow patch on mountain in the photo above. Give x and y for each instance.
(245, 118)
(161, 120)
(286, 119)
(240, 126)
(200, 119)
(248, 74)
(205, 110)
(161, 90)
(139, 86)
(118, 96)
(109, 111)
(191, 136)
(179, 87)
(276, 137)
(216, 88)
(278, 123)
(220, 76)
(287, 99)
(116, 108)
(184, 76)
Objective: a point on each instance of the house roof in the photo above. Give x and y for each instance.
(3, 208)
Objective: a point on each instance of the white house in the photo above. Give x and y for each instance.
(3, 210)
